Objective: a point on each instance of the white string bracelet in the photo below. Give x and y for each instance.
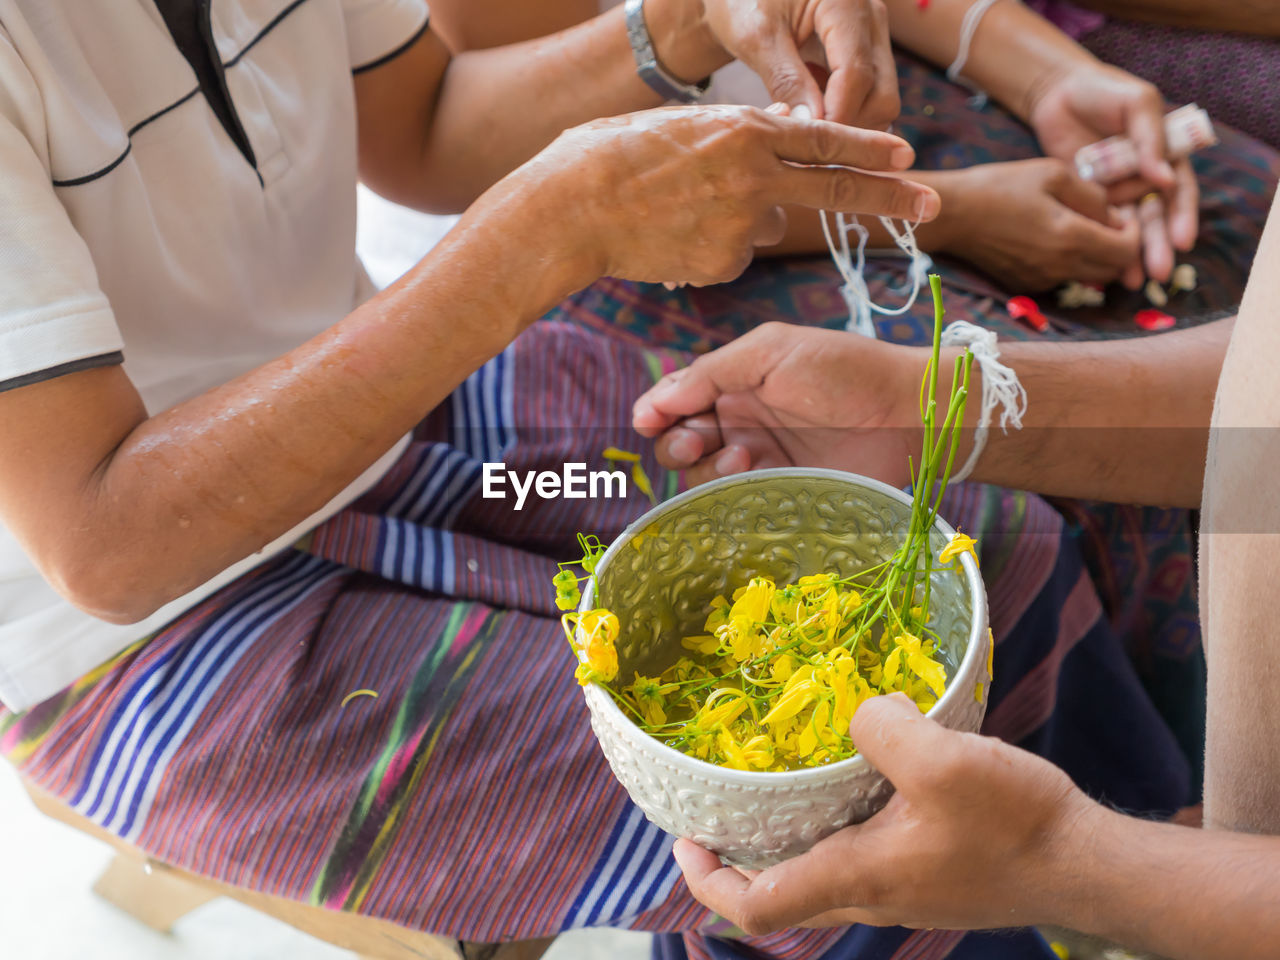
(968, 27)
(852, 266)
(1000, 387)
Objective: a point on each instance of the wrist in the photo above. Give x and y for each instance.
(1068, 888)
(949, 230)
(530, 241)
(1053, 72)
(682, 41)
(1017, 62)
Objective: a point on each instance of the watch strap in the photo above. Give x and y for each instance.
(647, 66)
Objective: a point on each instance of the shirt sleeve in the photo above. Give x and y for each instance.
(379, 30)
(54, 318)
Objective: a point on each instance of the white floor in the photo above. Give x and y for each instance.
(48, 912)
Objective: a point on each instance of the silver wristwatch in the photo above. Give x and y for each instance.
(647, 65)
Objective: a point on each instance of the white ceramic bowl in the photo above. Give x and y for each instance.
(660, 576)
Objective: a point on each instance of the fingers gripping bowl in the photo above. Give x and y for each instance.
(660, 576)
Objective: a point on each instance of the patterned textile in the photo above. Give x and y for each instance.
(1233, 76)
(469, 798)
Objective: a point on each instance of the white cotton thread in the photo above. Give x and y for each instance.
(1000, 387)
(852, 267)
(968, 27)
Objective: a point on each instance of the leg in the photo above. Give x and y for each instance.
(150, 894)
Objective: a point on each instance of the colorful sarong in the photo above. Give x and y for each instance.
(469, 797)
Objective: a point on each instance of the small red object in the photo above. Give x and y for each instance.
(1026, 310)
(1154, 320)
(922, 4)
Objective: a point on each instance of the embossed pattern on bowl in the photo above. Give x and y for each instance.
(660, 576)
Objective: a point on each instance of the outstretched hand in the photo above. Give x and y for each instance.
(768, 36)
(686, 194)
(978, 835)
(785, 395)
(1096, 101)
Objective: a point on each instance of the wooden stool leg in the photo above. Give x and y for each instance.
(516, 950)
(149, 893)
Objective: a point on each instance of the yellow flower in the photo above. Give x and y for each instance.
(848, 699)
(598, 664)
(719, 615)
(599, 623)
(816, 735)
(613, 453)
(638, 476)
(783, 666)
(783, 735)
(600, 657)
(930, 671)
(959, 544)
(597, 656)
(788, 605)
(723, 707)
(991, 654)
(699, 742)
(891, 676)
(832, 617)
(795, 697)
(909, 652)
(743, 638)
(651, 698)
(751, 603)
(702, 643)
(816, 583)
(755, 754)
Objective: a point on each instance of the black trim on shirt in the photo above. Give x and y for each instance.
(89, 177)
(271, 25)
(132, 130)
(97, 174)
(190, 25)
(397, 51)
(62, 369)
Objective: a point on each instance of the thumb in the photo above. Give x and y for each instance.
(737, 367)
(776, 58)
(897, 739)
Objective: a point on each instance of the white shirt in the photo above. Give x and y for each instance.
(132, 226)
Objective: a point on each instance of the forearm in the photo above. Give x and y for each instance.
(1014, 51)
(1241, 536)
(1124, 421)
(190, 491)
(1243, 16)
(498, 107)
(480, 24)
(1175, 891)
